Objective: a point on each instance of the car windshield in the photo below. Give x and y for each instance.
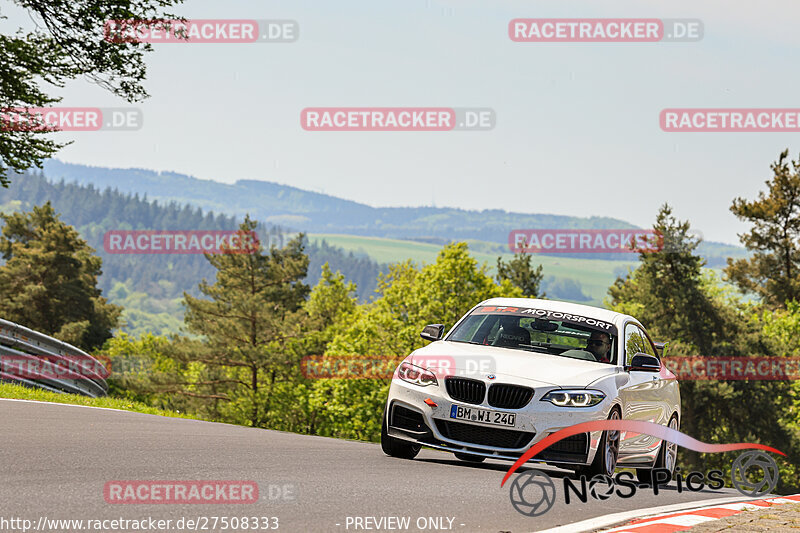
(552, 336)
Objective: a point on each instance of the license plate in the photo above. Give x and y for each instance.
(473, 414)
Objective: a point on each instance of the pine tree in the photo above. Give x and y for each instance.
(678, 302)
(666, 291)
(49, 280)
(252, 312)
(773, 272)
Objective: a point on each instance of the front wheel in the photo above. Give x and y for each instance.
(605, 459)
(397, 447)
(667, 458)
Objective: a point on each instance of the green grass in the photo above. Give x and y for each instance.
(18, 392)
(594, 275)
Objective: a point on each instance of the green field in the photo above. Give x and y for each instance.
(594, 275)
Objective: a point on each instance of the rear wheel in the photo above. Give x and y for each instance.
(667, 457)
(605, 460)
(397, 447)
(469, 457)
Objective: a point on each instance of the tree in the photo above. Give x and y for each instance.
(411, 297)
(679, 302)
(69, 42)
(331, 298)
(49, 280)
(253, 312)
(520, 272)
(304, 405)
(666, 291)
(773, 272)
(388, 329)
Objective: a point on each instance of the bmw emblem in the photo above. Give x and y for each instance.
(490, 376)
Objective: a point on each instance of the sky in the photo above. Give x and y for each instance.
(577, 124)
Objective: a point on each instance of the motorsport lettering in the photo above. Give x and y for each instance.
(556, 315)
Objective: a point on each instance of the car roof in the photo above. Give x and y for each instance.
(599, 313)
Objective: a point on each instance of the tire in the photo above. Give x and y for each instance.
(469, 457)
(605, 459)
(397, 447)
(667, 458)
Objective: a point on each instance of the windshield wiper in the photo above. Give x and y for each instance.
(536, 349)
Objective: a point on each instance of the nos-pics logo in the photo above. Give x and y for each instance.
(533, 493)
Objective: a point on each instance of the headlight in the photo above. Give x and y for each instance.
(574, 397)
(416, 375)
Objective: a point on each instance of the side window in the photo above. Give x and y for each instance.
(648, 345)
(633, 342)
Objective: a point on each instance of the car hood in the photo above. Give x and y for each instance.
(509, 365)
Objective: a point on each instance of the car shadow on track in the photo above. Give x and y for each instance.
(554, 472)
(497, 466)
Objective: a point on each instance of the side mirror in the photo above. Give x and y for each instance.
(432, 332)
(661, 347)
(645, 363)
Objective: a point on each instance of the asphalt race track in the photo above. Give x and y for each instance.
(55, 461)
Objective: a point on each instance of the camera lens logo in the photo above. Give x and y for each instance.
(533, 493)
(600, 482)
(754, 473)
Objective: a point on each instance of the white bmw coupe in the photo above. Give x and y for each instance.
(514, 370)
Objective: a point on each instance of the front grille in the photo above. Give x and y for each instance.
(484, 436)
(404, 418)
(509, 396)
(465, 390)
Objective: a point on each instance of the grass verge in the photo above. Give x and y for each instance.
(18, 392)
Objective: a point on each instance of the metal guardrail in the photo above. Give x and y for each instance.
(38, 360)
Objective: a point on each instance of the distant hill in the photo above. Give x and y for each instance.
(356, 239)
(317, 212)
(314, 212)
(150, 286)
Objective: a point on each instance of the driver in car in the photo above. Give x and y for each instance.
(599, 344)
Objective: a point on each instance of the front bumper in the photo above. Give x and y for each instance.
(410, 418)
